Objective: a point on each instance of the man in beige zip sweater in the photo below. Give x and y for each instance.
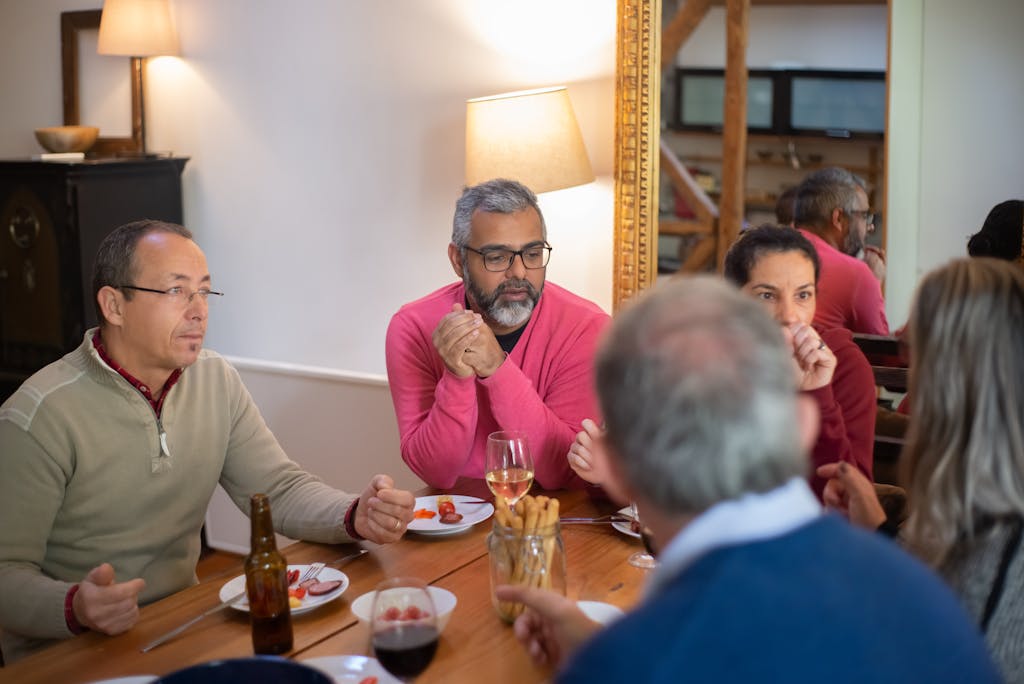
(109, 456)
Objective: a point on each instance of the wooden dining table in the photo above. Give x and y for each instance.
(476, 645)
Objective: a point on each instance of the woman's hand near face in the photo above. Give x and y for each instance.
(815, 361)
(588, 457)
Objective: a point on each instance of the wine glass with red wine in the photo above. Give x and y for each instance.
(404, 624)
(642, 559)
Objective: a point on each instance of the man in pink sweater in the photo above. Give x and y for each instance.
(500, 350)
(832, 211)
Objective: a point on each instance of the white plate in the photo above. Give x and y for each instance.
(473, 511)
(623, 527)
(308, 603)
(444, 604)
(599, 611)
(351, 669)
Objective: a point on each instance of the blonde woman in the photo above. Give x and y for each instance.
(964, 458)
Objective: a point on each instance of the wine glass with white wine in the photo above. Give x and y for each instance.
(642, 559)
(509, 466)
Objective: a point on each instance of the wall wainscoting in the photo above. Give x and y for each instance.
(339, 425)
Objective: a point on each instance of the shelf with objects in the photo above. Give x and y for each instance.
(53, 216)
(798, 121)
(774, 164)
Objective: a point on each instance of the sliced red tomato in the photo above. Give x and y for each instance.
(392, 613)
(293, 576)
(445, 507)
(411, 613)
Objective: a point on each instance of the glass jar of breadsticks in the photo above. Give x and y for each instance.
(525, 548)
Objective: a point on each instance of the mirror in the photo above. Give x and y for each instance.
(777, 151)
(637, 124)
(79, 68)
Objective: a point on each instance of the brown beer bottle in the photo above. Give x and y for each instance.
(266, 583)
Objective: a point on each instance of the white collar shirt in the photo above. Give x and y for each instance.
(750, 518)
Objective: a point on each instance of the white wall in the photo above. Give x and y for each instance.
(338, 425)
(327, 145)
(968, 142)
(835, 37)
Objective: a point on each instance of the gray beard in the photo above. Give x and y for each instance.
(852, 245)
(505, 314)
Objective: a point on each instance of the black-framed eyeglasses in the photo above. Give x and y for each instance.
(866, 214)
(497, 259)
(177, 295)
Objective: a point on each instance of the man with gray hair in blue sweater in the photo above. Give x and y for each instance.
(707, 433)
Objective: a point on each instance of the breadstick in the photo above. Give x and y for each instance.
(529, 563)
(506, 518)
(550, 520)
(513, 546)
(522, 557)
(539, 573)
(522, 550)
(501, 512)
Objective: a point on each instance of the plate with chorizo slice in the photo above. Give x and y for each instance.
(329, 585)
(448, 514)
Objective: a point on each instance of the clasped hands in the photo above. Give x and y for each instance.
(466, 344)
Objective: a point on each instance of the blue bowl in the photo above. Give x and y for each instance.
(256, 670)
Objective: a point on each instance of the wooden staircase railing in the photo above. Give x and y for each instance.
(704, 224)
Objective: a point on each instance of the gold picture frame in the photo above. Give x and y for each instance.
(71, 23)
(637, 127)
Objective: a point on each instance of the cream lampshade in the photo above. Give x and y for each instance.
(137, 29)
(530, 136)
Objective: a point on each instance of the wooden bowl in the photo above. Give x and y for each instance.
(67, 138)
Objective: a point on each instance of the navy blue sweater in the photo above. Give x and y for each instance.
(826, 603)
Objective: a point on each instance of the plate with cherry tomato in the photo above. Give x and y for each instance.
(329, 585)
(448, 514)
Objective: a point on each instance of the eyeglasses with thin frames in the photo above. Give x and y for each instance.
(866, 214)
(177, 295)
(498, 260)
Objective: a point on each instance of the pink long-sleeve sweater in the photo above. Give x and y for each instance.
(847, 407)
(544, 387)
(849, 295)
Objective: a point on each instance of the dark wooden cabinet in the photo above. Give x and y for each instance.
(52, 219)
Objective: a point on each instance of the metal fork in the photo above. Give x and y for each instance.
(604, 519)
(311, 572)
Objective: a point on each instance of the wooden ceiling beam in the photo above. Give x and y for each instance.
(734, 133)
(761, 3)
(686, 21)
